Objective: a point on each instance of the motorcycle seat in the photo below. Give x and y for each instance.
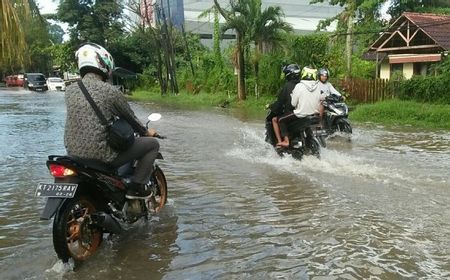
(95, 164)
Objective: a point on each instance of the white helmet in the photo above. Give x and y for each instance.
(94, 58)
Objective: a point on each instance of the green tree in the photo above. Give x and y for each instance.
(237, 18)
(63, 56)
(267, 32)
(96, 21)
(399, 6)
(56, 33)
(355, 11)
(38, 40)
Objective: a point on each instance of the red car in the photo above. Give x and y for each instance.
(14, 81)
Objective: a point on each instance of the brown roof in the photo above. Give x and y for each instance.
(435, 26)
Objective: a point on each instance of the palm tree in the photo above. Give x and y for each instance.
(12, 36)
(252, 24)
(267, 32)
(237, 19)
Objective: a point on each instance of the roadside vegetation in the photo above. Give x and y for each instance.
(401, 112)
(173, 67)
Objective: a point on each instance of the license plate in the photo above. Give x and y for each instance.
(63, 190)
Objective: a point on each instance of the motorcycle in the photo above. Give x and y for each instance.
(336, 115)
(87, 199)
(305, 137)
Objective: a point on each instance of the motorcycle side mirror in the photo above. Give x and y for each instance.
(153, 117)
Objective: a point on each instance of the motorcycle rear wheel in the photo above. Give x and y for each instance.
(314, 147)
(73, 234)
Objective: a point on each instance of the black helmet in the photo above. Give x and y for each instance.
(291, 71)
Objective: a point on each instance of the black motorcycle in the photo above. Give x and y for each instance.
(87, 199)
(305, 137)
(336, 115)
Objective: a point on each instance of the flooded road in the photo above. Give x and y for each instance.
(375, 207)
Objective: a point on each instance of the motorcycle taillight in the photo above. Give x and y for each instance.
(61, 171)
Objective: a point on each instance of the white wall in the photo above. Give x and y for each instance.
(385, 70)
(408, 70)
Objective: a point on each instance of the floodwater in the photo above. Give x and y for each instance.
(375, 207)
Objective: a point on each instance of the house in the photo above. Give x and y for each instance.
(413, 43)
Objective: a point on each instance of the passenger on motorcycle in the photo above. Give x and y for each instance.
(306, 100)
(85, 136)
(283, 102)
(325, 86)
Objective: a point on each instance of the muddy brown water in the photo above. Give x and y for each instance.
(374, 207)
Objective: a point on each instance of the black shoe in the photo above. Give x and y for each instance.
(138, 191)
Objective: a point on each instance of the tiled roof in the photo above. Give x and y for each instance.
(435, 26)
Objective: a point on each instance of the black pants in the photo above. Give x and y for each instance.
(145, 150)
(283, 122)
(285, 119)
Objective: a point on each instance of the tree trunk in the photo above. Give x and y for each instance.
(217, 52)
(241, 67)
(256, 67)
(349, 43)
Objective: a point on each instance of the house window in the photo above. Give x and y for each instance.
(397, 71)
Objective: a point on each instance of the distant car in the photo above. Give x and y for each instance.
(35, 81)
(55, 83)
(14, 81)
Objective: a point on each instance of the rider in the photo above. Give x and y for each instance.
(283, 103)
(325, 86)
(306, 100)
(85, 136)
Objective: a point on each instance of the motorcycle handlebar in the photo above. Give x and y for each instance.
(159, 136)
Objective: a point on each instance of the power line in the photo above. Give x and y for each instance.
(387, 30)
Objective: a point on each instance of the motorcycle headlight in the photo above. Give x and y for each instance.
(30, 84)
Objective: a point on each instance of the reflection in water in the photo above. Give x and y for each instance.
(375, 206)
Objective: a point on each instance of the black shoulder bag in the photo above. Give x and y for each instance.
(120, 134)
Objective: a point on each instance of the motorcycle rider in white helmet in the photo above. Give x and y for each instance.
(85, 135)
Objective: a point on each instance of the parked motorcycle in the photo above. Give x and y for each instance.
(87, 199)
(336, 115)
(305, 137)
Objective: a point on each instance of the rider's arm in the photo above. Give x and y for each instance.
(120, 104)
(333, 90)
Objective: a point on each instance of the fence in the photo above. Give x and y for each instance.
(368, 91)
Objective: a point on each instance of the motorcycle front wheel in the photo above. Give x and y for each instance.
(158, 201)
(344, 126)
(74, 236)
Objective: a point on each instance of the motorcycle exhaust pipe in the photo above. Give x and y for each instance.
(107, 222)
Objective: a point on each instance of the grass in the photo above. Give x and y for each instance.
(390, 112)
(398, 112)
(252, 105)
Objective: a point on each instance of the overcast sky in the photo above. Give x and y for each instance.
(47, 6)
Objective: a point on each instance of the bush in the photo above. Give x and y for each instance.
(434, 89)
